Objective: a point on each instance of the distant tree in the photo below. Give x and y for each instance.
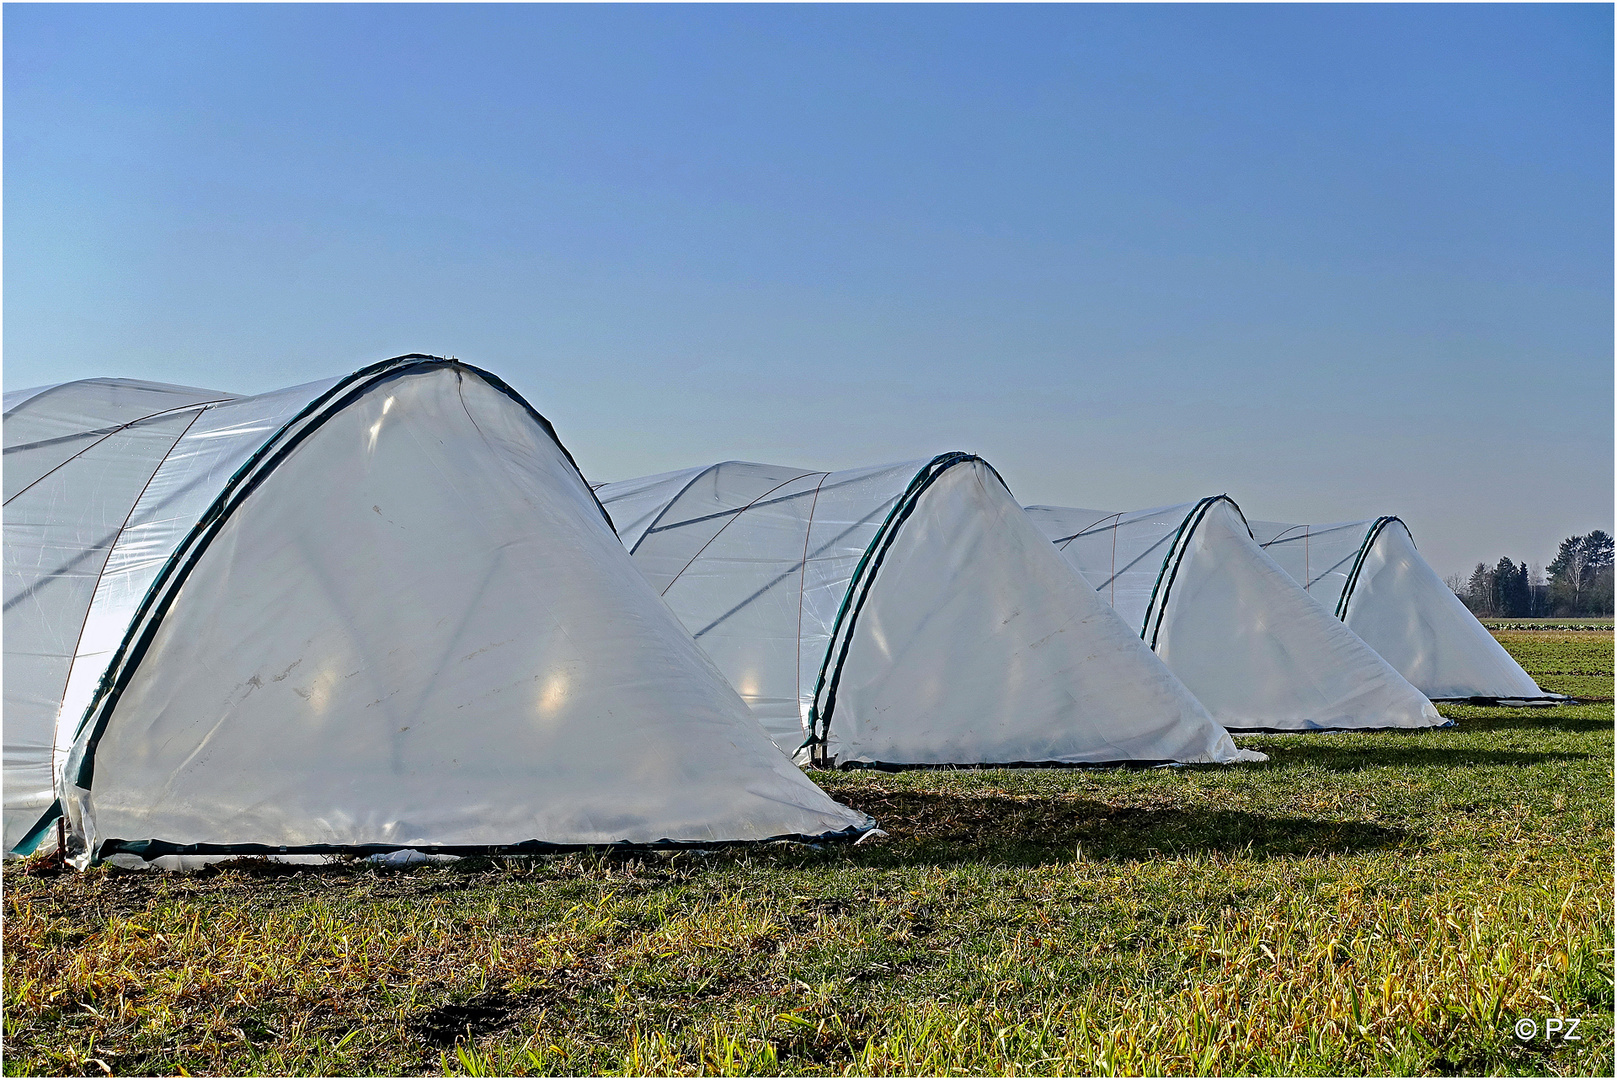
(1599, 546)
(1567, 576)
(1457, 585)
(1538, 591)
(1510, 595)
(1579, 572)
(1599, 600)
(1598, 549)
(1479, 590)
(1501, 574)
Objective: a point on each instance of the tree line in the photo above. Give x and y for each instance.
(1577, 583)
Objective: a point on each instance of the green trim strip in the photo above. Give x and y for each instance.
(1167, 559)
(815, 737)
(1358, 563)
(1200, 513)
(30, 840)
(825, 690)
(259, 466)
(1172, 558)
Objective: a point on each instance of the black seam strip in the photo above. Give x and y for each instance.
(688, 485)
(780, 577)
(1167, 557)
(505, 388)
(1556, 699)
(820, 719)
(815, 736)
(153, 849)
(658, 528)
(1142, 764)
(734, 516)
(1092, 527)
(113, 429)
(1281, 535)
(1329, 570)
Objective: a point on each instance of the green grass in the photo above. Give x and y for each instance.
(1378, 903)
(1579, 664)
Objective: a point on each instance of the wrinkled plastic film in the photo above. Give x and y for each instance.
(188, 481)
(59, 531)
(359, 657)
(760, 563)
(1404, 611)
(1399, 606)
(1254, 648)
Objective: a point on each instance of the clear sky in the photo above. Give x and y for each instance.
(1335, 261)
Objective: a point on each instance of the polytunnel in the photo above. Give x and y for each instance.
(1370, 576)
(372, 613)
(903, 614)
(1254, 648)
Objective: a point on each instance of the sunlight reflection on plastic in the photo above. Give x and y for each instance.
(553, 695)
(376, 428)
(318, 693)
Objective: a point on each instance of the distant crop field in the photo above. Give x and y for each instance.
(1382, 903)
(1548, 622)
(1576, 663)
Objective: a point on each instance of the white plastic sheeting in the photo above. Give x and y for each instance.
(49, 426)
(636, 504)
(1254, 648)
(1370, 575)
(14, 398)
(77, 457)
(386, 612)
(904, 614)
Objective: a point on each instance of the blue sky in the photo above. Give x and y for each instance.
(1335, 261)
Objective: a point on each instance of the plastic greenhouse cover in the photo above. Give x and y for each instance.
(903, 614)
(14, 398)
(77, 456)
(91, 403)
(1371, 576)
(637, 503)
(395, 620)
(50, 426)
(1256, 650)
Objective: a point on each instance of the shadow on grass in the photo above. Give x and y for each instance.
(442, 1026)
(1383, 755)
(1533, 723)
(925, 828)
(933, 827)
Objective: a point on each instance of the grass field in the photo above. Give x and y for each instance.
(1378, 903)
